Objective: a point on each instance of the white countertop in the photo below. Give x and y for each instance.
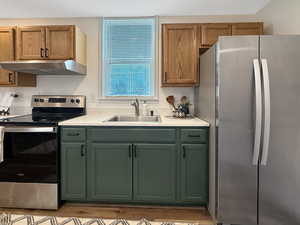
(98, 118)
(7, 117)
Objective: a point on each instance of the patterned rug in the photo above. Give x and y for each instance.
(12, 219)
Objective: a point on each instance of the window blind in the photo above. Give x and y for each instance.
(128, 56)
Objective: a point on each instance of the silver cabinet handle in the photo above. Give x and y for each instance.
(258, 111)
(267, 112)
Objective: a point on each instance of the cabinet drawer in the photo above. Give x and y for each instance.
(73, 134)
(194, 135)
(131, 135)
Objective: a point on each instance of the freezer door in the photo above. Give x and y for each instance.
(279, 201)
(237, 175)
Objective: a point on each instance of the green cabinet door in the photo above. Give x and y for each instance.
(194, 173)
(73, 171)
(154, 172)
(109, 172)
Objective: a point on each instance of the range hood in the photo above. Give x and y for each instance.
(45, 67)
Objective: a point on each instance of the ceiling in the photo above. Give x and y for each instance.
(95, 8)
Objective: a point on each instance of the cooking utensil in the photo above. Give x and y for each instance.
(184, 100)
(171, 101)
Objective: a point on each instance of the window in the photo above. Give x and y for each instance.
(128, 51)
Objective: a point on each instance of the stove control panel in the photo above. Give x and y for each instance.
(60, 101)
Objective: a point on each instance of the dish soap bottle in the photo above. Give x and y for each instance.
(145, 109)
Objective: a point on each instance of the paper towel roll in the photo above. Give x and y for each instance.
(6, 101)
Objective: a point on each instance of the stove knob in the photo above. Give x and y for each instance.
(77, 101)
(36, 100)
(41, 100)
(72, 100)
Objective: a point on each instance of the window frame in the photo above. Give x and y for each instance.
(155, 97)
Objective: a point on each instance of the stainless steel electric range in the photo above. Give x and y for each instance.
(29, 173)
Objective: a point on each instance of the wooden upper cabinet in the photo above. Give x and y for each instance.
(182, 44)
(30, 42)
(247, 28)
(210, 33)
(60, 42)
(180, 55)
(55, 42)
(7, 54)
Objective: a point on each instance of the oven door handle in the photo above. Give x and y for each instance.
(21, 129)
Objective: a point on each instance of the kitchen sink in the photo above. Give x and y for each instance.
(123, 118)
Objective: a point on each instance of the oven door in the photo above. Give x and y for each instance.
(30, 155)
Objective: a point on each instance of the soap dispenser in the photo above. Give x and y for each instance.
(145, 108)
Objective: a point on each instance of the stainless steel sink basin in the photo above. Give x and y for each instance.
(123, 118)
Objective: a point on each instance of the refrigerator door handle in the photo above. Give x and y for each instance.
(267, 112)
(258, 111)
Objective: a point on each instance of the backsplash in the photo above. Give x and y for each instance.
(87, 85)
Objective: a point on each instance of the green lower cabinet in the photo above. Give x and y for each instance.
(73, 171)
(154, 172)
(194, 173)
(136, 167)
(109, 172)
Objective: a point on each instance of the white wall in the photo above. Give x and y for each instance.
(281, 17)
(88, 85)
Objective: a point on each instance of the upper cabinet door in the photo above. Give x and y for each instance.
(247, 28)
(7, 54)
(211, 32)
(31, 42)
(60, 42)
(180, 54)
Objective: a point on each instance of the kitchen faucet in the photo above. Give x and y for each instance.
(136, 105)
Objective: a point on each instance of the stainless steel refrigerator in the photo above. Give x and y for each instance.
(250, 93)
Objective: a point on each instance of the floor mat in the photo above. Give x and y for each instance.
(12, 219)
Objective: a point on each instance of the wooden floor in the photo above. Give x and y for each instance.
(196, 215)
